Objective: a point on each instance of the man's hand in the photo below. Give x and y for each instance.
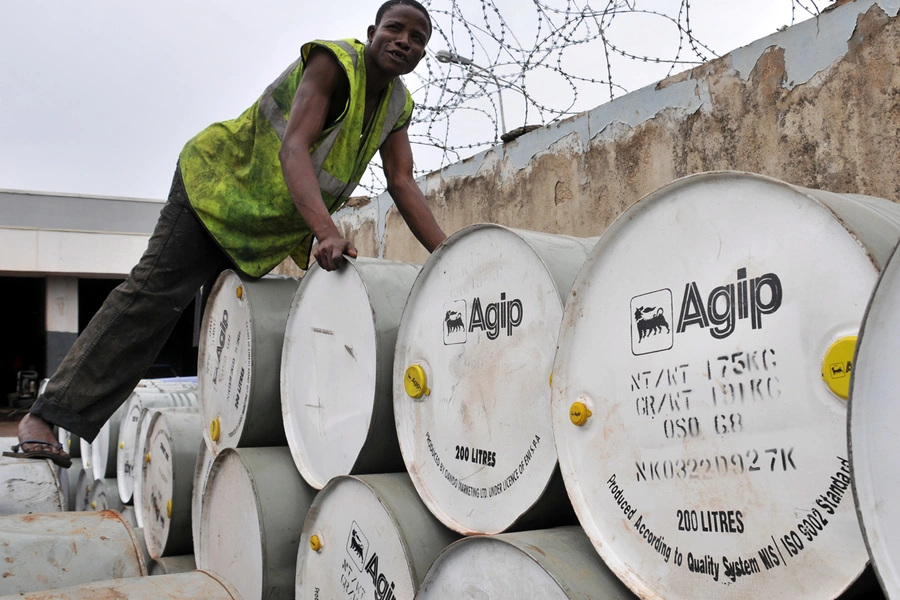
(329, 253)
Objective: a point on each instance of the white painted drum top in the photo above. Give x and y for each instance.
(874, 415)
(336, 369)
(472, 369)
(368, 536)
(697, 393)
(239, 359)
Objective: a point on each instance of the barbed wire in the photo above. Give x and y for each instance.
(554, 58)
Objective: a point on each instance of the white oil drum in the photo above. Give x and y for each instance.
(167, 481)
(104, 496)
(239, 361)
(197, 585)
(68, 479)
(874, 414)
(167, 565)
(251, 520)
(471, 376)
(547, 564)
(368, 536)
(104, 447)
(54, 550)
(83, 486)
(30, 486)
(71, 442)
(150, 397)
(336, 368)
(201, 474)
(142, 447)
(697, 401)
(84, 451)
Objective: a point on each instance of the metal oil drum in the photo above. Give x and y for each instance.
(471, 377)
(167, 565)
(201, 474)
(150, 396)
(251, 520)
(337, 363)
(104, 447)
(874, 412)
(167, 478)
(30, 486)
(71, 442)
(83, 486)
(700, 387)
(142, 446)
(196, 585)
(548, 564)
(368, 536)
(68, 479)
(54, 550)
(104, 496)
(238, 367)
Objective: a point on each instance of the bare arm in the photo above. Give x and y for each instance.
(323, 80)
(396, 155)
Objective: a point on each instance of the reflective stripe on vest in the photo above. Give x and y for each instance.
(278, 121)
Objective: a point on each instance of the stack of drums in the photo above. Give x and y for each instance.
(471, 377)
(150, 394)
(700, 387)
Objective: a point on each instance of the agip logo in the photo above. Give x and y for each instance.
(357, 546)
(651, 329)
(654, 323)
(492, 318)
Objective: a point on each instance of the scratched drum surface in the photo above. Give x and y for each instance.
(479, 334)
(874, 413)
(697, 398)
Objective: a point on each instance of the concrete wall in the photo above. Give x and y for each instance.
(817, 104)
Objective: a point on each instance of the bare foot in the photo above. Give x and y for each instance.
(32, 427)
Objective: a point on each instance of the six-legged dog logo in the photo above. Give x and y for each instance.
(651, 318)
(454, 322)
(357, 546)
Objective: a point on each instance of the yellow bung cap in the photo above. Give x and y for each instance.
(214, 430)
(122, 445)
(239, 292)
(147, 457)
(415, 382)
(169, 508)
(837, 365)
(579, 413)
(551, 380)
(315, 543)
(93, 505)
(69, 442)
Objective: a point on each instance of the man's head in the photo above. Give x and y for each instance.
(392, 3)
(396, 42)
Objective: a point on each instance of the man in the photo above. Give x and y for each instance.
(246, 194)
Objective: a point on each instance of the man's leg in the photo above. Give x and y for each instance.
(125, 336)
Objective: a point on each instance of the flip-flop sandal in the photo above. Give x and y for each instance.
(17, 452)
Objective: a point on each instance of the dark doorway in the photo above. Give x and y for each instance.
(22, 327)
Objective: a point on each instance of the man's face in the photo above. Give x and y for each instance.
(398, 43)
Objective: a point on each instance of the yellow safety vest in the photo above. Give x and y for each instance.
(232, 173)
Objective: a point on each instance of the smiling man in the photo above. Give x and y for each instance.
(247, 193)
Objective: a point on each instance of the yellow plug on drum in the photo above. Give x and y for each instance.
(837, 365)
(315, 543)
(415, 382)
(214, 430)
(579, 413)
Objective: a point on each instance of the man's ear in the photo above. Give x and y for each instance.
(370, 33)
